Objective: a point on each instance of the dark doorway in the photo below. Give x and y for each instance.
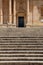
(20, 21)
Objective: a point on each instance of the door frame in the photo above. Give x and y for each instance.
(21, 15)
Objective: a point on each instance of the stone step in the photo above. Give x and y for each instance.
(21, 55)
(28, 46)
(21, 43)
(22, 62)
(21, 58)
(22, 51)
(21, 48)
(21, 40)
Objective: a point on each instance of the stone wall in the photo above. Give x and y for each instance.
(31, 12)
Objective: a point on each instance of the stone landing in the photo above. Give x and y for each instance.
(21, 32)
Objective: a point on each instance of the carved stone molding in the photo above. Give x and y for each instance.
(21, 5)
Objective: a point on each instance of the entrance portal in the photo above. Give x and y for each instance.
(20, 21)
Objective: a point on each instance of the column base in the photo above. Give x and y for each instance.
(28, 25)
(14, 25)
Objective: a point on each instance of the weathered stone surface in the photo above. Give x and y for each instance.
(21, 44)
(21, 32)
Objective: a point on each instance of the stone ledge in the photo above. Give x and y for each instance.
(7, 25)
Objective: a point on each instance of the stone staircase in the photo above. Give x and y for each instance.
(23, 45)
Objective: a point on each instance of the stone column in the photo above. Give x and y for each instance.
(10, 12)
(14, 13)
(1, 12)
(28, 21)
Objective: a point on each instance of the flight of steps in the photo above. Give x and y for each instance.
(21, 45)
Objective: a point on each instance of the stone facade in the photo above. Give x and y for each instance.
(12, 10)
